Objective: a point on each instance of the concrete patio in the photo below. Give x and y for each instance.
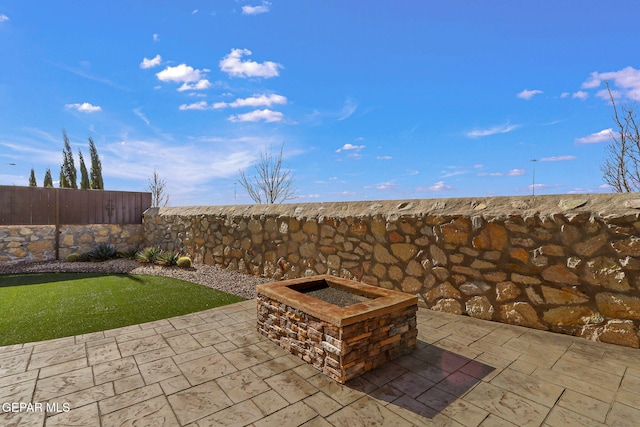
(211, 368)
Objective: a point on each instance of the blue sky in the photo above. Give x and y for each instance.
(372, 100)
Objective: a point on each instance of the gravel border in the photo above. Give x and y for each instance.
(229, 281)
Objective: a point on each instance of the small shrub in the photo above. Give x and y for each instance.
(74, 257)
(128, 254)
(102, 252)
(184, 262)
(84, 257)
(167, 258)
(148, 255)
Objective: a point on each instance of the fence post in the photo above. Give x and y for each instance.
(57, 238)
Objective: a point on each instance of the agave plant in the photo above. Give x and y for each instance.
(167, 258)
(148, 255)
(102, 252)
(128, 254)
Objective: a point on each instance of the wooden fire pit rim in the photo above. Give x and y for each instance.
(384, 300)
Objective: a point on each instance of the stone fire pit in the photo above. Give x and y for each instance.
(342, 327)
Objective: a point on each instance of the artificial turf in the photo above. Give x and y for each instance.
(36, 307)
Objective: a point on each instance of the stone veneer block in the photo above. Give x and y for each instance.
(342, 342)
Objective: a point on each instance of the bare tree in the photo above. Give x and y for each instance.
(621, 170)
(158, 188)
(271, 183)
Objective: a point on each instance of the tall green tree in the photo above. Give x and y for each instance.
(68, 167)
(96, 167)
(63, 183)
(84, 175)
(32, 179)
(48, 181)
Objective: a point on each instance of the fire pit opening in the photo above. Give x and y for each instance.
(331, 294)
(342, 327)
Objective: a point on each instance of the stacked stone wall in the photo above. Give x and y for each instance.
(37, 242)
(567, 264)
(342, 353)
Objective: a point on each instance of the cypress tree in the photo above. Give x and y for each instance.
(68, 167)
(48, 181)
(96, 167)
(84, 175)
(63, 179)
(32, 179)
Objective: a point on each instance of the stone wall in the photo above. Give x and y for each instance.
(568, 264)
(37, 242)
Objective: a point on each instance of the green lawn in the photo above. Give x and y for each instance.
(36, 307)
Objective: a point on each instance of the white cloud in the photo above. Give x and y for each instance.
(200, 85)
(564, 95)
(233, 65)
(138, 112)
(218, 105)
(182, 73)
(258, 115)
(516, 172)
(202, 105)
(194, 11)
(604, 94)
(85, 107)
(594, 138)
(150, 63)
(347, 147)
(386, 186)
(580, 190)
(347, 110)
(218, 158)
(437, 187)
(528, 94)
(257, 100)
(477, 133)
(627, 80)
(580, 95)
(156, 37)
(384, 157)
(3, 18)
(256, 10)
(557, 158)
(539, 186)
(446, 174)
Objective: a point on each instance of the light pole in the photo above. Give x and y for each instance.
(533, 179)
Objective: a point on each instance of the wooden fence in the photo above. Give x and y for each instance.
(55, 206)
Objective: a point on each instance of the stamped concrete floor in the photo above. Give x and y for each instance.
(211, 368)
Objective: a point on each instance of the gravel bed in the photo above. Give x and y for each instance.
(214, 277)
(337, 296)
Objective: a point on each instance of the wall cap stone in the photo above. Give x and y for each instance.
(497, 207)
